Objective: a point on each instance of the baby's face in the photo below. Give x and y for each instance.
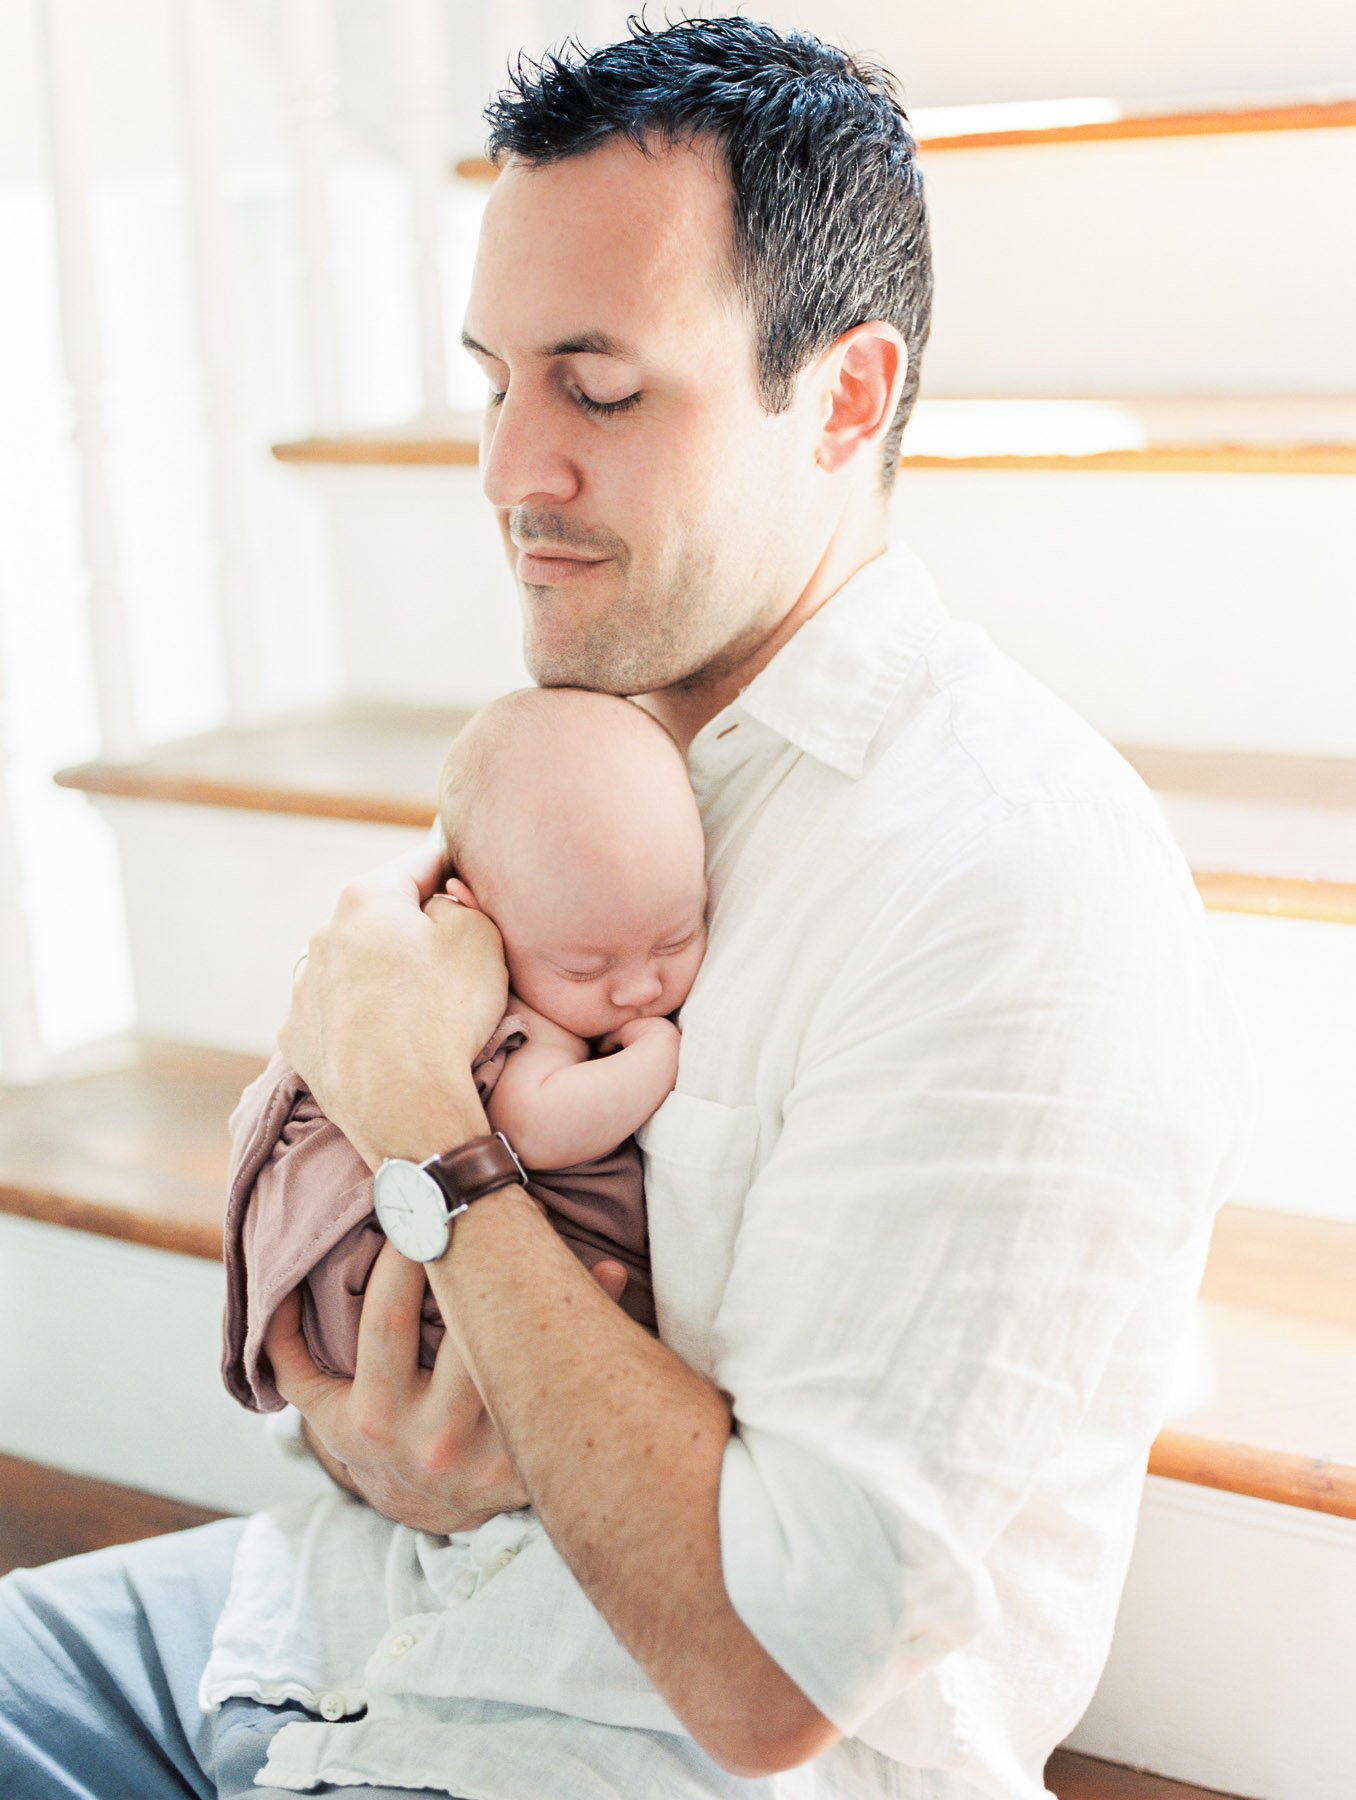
(593, 954)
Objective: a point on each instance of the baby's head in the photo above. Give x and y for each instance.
(570, 817)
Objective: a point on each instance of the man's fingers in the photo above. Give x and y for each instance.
(294, 1374)
(416, 874)
(389, 1330)
(453, 1398)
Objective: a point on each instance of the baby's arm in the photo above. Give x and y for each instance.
(558, 1108)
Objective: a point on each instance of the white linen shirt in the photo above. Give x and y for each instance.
(960, 1090)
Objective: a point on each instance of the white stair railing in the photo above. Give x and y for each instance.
(313, 81)
(422, 60)
(220, 351)
(83, 359)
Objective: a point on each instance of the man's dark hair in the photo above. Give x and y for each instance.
(830, 225)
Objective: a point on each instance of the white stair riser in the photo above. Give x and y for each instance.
(111, 1354)
(1181, 610)
(1201, 265)
(218, 972)
(1309, 843)
(212, 959)
(1232, 1657)
(1295, 984)
(1214, 610)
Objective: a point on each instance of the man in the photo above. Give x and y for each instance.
(959, 1090)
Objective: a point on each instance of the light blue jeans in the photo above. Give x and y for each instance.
(99, 1664)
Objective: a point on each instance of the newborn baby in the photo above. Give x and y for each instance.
(569, 820)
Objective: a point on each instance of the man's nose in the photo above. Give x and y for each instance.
(524, 454)
(637, 987)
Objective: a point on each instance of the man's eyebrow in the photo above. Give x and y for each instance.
(587, 343)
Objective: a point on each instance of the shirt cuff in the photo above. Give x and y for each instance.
(850, 1610)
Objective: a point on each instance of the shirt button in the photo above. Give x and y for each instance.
(398, 1646)
(332, 1707)
(504, 1558)
(465, 1585)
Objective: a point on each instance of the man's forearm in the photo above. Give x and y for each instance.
(619, 1446)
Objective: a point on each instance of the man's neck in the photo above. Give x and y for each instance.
(687, 706)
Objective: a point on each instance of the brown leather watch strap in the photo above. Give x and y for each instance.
(475, 1169)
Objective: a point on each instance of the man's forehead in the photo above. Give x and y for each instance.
(601, 253)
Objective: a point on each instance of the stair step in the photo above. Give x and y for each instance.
(1070, 1776)
(137, 1149)
(1228, 436)
(127, 1141)
(377, 762)
(368, 761)
(1076, 120)
(46, 1513)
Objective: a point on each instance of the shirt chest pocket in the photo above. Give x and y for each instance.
(698, 1158)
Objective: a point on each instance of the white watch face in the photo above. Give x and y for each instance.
(412, 1211)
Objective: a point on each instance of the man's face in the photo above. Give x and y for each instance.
(674, 532)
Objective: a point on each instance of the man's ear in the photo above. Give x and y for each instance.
(863, 376)
(461, 893)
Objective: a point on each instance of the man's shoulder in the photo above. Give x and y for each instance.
(974, 739)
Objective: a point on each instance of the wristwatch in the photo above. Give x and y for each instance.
(416, 1202)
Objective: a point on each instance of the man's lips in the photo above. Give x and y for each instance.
(550, 564)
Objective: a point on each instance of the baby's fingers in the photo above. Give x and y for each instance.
(610, 1276)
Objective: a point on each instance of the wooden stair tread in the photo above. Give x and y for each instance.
(1070, 1776)
(46, 1513)
(366, 761)
(1227, 436)
(129, 1140)
(1001, 124)
(378, 763)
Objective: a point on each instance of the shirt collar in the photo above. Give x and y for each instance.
(828, 688)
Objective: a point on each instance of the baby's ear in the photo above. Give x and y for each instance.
(461, 893)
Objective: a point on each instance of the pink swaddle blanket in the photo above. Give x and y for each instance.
(299, 1214)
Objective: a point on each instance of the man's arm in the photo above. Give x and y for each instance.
(612, 1438)
(620, 1446)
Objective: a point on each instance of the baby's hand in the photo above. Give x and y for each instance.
(636, 1029)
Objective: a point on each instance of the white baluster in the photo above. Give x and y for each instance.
(422, 58)
(313, 71)
(219, 347)
(22, 1055)
(82, 356)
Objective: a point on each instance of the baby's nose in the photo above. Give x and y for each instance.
(637, 987)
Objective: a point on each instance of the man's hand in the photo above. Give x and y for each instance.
(397, 994)
(416, 1444)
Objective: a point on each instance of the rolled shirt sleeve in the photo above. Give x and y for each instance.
(1014, 1113)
